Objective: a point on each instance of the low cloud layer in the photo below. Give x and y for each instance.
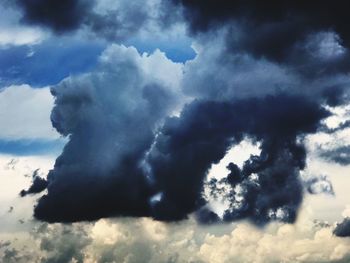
(144, 240)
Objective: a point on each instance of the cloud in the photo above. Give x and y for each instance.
(244, 87)
(59, 15)
(111, 116)
(285, 244)
(319, 184)
(183, 150)
(343, 229)
(68, 247)
(188, 145)
(12, 33)
(38, 185)
(25, 113)
(135, 240)
(221, 74)
(16, 174)
(105, 19)
(339, 155)
(274, 27)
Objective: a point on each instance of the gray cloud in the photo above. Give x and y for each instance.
(340, 155)
(343, 228)
(319, 184)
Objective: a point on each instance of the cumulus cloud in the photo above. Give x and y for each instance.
(188, 145)
(111, 116)
(274, 27)
(272, 86)
(219, 74)
(16, 174)
(135, 240)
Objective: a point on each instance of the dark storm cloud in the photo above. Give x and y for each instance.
(117, 21)
(60, 15)
(110, 116)
(267, 81)
(302, 45)
(109, 168)
(343, 229)
(187, 146)
(274, 26)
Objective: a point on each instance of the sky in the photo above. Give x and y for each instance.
(174, 131)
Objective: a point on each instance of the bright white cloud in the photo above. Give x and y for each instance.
(16, 175)
(144, 240)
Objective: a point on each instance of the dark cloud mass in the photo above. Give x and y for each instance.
(100, 171)
(188, 145)
(60, 15)
(118, 21)
(264, 71)
(274, 26)
(110, 116)
(343, 229)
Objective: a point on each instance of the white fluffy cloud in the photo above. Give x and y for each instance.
(25, 113)
(144, 240)
(16, 175)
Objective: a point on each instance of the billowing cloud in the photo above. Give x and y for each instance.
(138, 240)
(112, 20)
(188, 145)
(134, 150)
(104, 111)
(220, 74)
(274, 26)
(111, 116)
